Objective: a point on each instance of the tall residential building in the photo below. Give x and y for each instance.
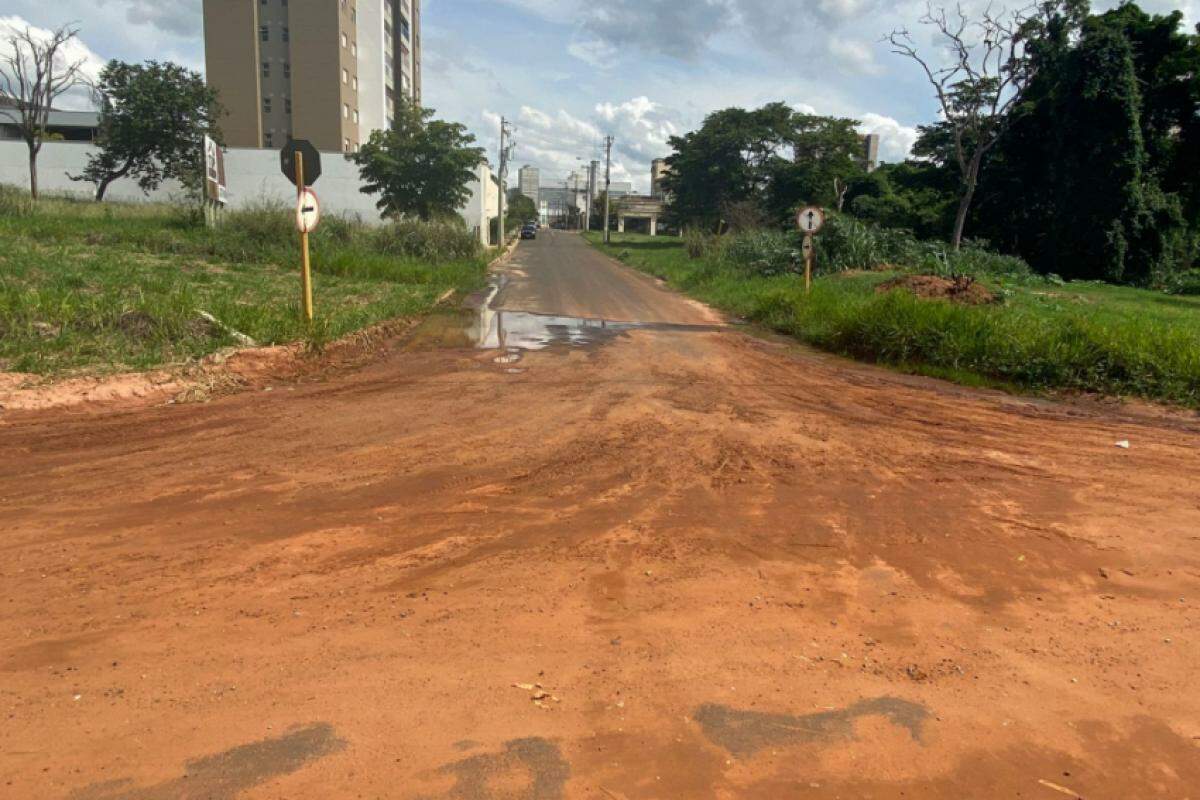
(870, 151)
(529, 179)
(658, 171)
(330, 71)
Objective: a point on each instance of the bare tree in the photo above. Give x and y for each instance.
(33, 75)
(986, 75)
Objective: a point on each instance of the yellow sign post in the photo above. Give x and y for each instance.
(809, 220)
(305, 269)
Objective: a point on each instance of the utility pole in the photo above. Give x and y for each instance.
(608, 143)
(505, 149)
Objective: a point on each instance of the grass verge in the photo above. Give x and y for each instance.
(110, 287)
(1043, 335)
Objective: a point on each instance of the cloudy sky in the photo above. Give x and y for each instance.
(568, 72)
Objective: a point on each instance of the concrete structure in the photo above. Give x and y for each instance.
(253, 179)
(870, 151)
(72, 126)
(658, 171)
(529, 180)
(640, 207)
(483, 209)
(330, 71)
(619, 189)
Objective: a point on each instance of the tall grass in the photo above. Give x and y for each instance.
(116, 286)
(848, 244)
(1045, 335)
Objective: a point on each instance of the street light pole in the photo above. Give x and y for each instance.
(608, 143)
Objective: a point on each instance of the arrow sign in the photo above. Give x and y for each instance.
(811, 219)
(308, 211)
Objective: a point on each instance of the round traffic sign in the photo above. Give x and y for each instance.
(308, 211)
(811, 219)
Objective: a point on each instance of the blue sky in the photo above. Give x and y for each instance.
(568, 72)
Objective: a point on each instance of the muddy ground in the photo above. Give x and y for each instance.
(613, 561)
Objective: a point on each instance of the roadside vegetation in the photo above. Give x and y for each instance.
(111, 287)
(1038, 334)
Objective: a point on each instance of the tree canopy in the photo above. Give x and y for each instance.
(153, 119)
(743, 167)
(421, 166)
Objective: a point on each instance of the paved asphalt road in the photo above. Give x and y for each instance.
(558, 273)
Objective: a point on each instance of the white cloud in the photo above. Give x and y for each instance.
(854, 55)
(895, 140)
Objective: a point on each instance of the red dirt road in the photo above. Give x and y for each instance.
(673, 564)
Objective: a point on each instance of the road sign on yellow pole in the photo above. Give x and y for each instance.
(301, 163)
(810, 220)
(305, 270)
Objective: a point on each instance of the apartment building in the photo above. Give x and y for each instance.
(529, 179)
(330, 71)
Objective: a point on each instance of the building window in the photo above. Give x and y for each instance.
(356, 116)
(345, 111)
(355, 82)
(345, 41)
(286, 34)
(404, 29)
(264, 33)
(346, 145)
(354, 49)
(267, 139)
(266, 69)
(345, 76)
(287, 105)
(266, 105)
(287, 69)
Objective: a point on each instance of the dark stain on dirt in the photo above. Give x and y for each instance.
(527, 769)
(744, 733)
(226, 775)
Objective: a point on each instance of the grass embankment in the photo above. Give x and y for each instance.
(109, 287)
(1043, 334)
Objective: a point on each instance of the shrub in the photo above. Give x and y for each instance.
(434, 241)
(762, 252)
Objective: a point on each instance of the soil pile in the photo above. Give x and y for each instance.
(963, 289)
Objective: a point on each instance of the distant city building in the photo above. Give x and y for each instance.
(658, 171)
(870, 151)
(330, 72)
(529, 180)
(71, 126)
(620, 189)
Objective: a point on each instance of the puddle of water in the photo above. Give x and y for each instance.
(497, 329)
(486, 328)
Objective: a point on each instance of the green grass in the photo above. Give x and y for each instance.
(1075, 336)
(110, 287)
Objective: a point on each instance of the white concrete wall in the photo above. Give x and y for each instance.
(252, 175)
(483, 205)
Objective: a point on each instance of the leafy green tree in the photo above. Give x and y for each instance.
(990, 69)
(421, 166)
(919, 196)
(827, 155)
(520, 209)
(153, 119)
(1081, 164)
(742, 167)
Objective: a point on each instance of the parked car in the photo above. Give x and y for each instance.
(529, 232)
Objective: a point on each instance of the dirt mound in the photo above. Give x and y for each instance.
(962, 289)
